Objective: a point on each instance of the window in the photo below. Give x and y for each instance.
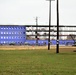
(12, 32)
(19, 37)
(7, 42)
(4, 42)
(4, 37)
(12, 37)
(12, 27)
(7, 37)
(21, 27)
(4, 32)
(1, 28)
(15, 32)
(23, 32)
(19, 32)
(9, 32)
(18, 42)
(15, 27)
(9, 27)
(1, 32)
(15, 37)
(1, 37)
(1, 41)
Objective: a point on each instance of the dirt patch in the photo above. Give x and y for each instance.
(34, 47)
(22, 47)
(61, 48)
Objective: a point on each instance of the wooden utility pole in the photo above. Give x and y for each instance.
(57, 48)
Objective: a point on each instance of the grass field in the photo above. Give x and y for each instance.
(37, 62)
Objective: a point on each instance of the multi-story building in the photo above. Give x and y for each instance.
(21, 34)
(12, 34)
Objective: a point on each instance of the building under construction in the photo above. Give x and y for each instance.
(31, 34)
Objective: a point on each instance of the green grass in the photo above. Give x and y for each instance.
(36, 62)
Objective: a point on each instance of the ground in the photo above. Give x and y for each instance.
(37, 60)
(23, 47)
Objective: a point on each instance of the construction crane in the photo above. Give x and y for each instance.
(71, 43)
(73, 38)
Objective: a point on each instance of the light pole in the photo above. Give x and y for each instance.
(49, 23)
(57, 48)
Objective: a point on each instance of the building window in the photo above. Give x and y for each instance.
(4, 42)
(9, 27)
(15, 27)
(7, 37)
(1, 32)
(21, 27)
(1, 37)
(15, 37)
(15, 32)
(23, 32)
(9, 32)
(4, 32)
(4, 37)
(1, 41)
(1, 28)
(12, 32)
(24, 27)
(12, 27)
(12, 37)
(19, 32)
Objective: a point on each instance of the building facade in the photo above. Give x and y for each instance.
(21, 34)
(12, 34)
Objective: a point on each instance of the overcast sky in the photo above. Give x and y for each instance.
(24, 12)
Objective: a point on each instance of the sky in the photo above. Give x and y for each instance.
(24, 12)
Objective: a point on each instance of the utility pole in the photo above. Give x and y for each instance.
(49, 23)
(57, 48)
(36, 30)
